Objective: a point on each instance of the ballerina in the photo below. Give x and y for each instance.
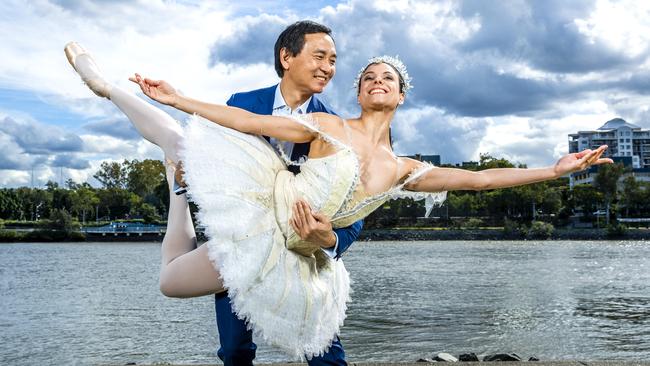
(291, 294)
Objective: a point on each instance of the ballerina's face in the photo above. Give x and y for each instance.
(380, 86)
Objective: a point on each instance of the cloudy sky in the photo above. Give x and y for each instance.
(509, 78)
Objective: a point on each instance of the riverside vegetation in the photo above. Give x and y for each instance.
(137, 190)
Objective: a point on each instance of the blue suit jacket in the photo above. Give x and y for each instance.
(261, 102)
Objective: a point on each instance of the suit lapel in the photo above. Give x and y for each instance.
(265, 99)
(313, 105)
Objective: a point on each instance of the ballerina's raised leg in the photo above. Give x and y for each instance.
(185, 270)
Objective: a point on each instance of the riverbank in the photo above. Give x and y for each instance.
(401, 234)
(496, 234)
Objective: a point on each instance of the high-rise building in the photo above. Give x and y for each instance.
(627, 143)
(622, 139)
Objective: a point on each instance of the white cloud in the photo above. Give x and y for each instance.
(158, 39)
(14, 178)
(512, 79)
(162, 39)
(430, 130)
(622, 25)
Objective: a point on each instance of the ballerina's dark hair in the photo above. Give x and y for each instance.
(293, 39)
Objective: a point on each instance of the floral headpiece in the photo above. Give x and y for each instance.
(392, 61)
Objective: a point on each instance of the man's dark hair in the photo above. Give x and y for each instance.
(293, 39)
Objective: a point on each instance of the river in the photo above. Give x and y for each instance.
(98, 303)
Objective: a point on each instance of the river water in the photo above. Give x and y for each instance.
(98, 303)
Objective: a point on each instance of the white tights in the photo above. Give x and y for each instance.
(186, 270)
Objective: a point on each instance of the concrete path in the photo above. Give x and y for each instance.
(536, 363)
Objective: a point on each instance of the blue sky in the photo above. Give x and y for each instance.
(509, 78)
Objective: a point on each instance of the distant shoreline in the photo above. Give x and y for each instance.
(496, 234)
(401, 234)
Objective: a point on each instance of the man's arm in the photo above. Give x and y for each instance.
(347, 236)
(233, 103)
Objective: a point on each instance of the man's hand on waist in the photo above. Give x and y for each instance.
(312, 226)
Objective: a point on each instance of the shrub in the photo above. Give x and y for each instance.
(473, 223)
(9, 236)
(616, 230)
(149, 213)
(44, 235)
(512, 229)
(62, 220)
(540, 230)
(76, 236)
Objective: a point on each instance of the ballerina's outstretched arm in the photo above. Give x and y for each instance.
(282, 128)
(450, 179)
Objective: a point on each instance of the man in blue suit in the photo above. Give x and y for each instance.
(305, 60)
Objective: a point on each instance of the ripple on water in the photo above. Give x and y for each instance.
(99, 303)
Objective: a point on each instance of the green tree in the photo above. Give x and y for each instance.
(149, 213)
(462, 203)
(10, 206)
(112, 175)
(60, 197)
(551, 200)
(586, 197)
(161, 198)
(34, 203)
(631, 196)
(384, 217)
(117, 203)
(84, 200)
(72, 185)
(644, 200)
(61, 220)
(487, 161)
(142, 177)
(607, 182)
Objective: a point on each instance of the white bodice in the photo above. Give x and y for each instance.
(332, 187)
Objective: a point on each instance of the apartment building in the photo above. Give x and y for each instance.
(627, 143)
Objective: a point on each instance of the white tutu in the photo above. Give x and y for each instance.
(287, 299)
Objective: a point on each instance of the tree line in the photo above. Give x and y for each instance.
(130, 189)
(135, 189)
(551, 201)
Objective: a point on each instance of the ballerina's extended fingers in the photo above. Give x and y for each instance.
(141, 83)
(594, 158)
(581, 154)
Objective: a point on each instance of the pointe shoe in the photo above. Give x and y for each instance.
(179, 187)
(89, 73)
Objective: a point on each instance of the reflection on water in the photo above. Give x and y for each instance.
(622, 323)
(619, 309)
(99, 303)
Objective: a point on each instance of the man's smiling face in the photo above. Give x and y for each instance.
(315, 65)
